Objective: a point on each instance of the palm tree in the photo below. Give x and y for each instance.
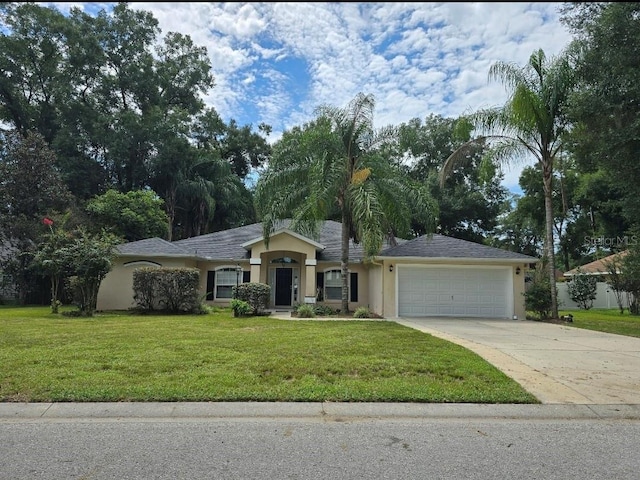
(531, 122)
(337, 167)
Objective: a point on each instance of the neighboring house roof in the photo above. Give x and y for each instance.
(441, 246)
(233, 244)
(597, 267)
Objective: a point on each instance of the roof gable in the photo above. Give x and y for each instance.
(284, 231)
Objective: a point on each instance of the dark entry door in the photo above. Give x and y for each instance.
(283, 286)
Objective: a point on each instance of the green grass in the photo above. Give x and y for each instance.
(606, 320)
(216, 357)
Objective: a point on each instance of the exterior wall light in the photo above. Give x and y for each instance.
(517, 270)
(391, 268)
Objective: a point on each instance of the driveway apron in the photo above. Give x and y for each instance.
(556, 363)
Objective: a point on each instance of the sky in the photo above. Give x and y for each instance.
(277, 62)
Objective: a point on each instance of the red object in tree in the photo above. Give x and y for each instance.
(47, 221)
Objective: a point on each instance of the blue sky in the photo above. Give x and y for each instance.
(276, 62)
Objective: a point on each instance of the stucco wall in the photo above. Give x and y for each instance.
(519, 310)
(116, 290)
(375, 289)
(284, 242)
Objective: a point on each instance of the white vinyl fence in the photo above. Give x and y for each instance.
(605, 297)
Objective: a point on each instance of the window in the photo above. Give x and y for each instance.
(225, 279)
(333, 289)
(332, 285)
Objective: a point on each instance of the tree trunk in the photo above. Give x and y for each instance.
(170, 205)
(344, 263)
(548, 243)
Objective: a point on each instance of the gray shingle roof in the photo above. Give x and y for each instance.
(227, 245)
(441, 246)
(151, 246)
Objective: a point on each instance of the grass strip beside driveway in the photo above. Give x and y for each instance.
(606, 320)
(216, 357)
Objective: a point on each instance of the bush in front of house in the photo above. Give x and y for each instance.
(255, 294)
(305, 311)
(167, 289)
(537, 297)
(324, 310)
(240, 308)
(362, 312)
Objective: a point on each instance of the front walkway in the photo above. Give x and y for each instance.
(556, 363)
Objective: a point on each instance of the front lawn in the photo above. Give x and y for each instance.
(216, 357)
(606, 320)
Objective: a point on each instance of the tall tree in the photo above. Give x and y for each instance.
(606, 105)
(31, 189)
(132, 216)
(336, 166)
(472, 198)
(33, 83)
(532, 122)
(97, 87)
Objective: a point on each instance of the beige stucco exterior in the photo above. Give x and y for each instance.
(116, 290)
(377, 281)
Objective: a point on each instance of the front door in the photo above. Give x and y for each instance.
(284, 277)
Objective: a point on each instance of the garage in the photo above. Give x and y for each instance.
(454, 291)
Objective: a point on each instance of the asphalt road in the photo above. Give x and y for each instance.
(318, 441)
(311, 449)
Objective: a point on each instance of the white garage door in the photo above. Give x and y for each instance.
(454, 291)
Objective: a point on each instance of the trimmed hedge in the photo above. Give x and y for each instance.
(167, 289)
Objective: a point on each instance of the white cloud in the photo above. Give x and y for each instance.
(417, 59)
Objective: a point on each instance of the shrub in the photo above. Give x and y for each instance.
(306, 311)
(582, 290)
(240, 308)
(144, 288)
(324, 310)
(173, 290)
(362, 312)
(255, 294)
(537, 297)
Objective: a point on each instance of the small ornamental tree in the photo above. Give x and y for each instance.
(582, 289)
(90, 258)
(631, 276)
(49, 260)
(616, 280)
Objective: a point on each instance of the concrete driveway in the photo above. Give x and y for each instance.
(558, 364)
